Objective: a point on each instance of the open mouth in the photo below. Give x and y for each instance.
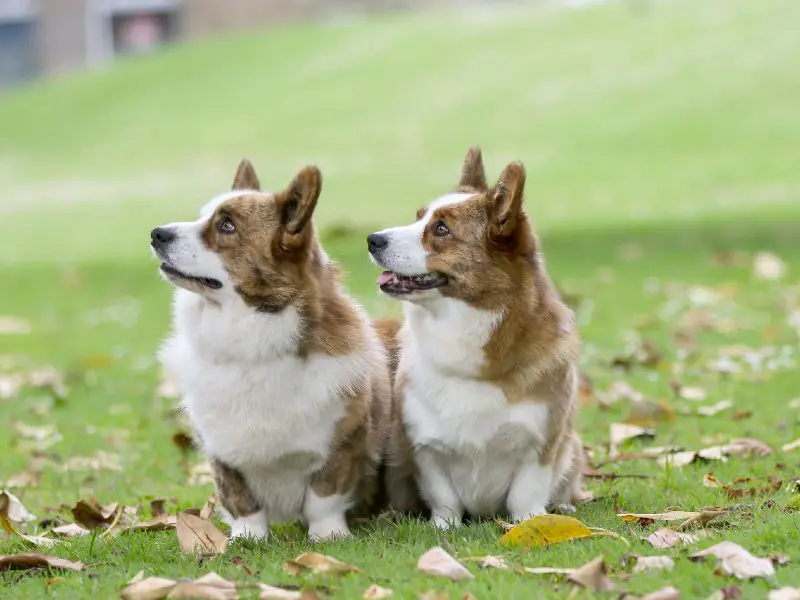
(394, 283)
(208, 282)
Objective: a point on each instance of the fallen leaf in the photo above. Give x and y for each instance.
(622, 432)
(438, 562)
(784, 594)
(666, 593)
(13, 510)
(710, 481)
(100, 461)
(319, 564)
(710, 411)
(38, 540)
(745, 447)
(39, 437)
(689, 519)
(160, 523)
(375, 592)
(740, 414)
(648, 412)
(593, 576)
(492, 562)
(618, 391)
(270, 592)
(545, 530)
(89, 514)
(768, 266)
(208, 508)
(14, 326)
(152, 588)
(199, 537)
(34, 560)
(694, 394)
(653, 563)
(791, 446)
(681, 459)
(10, 385)
(737, 561)
(157, 507)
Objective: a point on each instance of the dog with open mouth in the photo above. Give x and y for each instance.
(487, 374)
(283, 376)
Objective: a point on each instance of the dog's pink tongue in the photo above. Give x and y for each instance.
(385, 277)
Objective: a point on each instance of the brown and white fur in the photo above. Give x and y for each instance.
(487, 370)
(283, 376)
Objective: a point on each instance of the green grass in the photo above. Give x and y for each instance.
(655, 135)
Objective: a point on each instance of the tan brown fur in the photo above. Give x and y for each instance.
(275, 259)
(494, 261)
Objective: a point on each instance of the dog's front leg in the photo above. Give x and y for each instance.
(530, 488)
(437, 489)
(245, 514)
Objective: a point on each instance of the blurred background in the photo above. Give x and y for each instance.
(656, 134)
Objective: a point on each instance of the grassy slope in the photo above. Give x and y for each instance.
(670, 128)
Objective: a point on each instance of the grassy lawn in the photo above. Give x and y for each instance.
(661, 144)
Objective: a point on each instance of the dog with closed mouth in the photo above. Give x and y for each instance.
(283, 376)
(487, 374)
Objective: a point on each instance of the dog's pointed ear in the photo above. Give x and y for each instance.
(472, 173)
(505, 200)
(246, 178)
(298, 201)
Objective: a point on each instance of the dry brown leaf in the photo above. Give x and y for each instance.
(681, 459)
(768, 266)
(208, 508)
(14, 326)
(619, 390)
(70, 530)
(693, 394)
(689, 519)
(622, 432)
(39, 540)
(492, 562)
(593, 576)
(713, 409)
(745, 447)
(160, 523)
(791, 446)
(666, 593)
(152, 588)
(190, 590)
(199, 537)
(319, 564)
(100, 461)
(737, 561)
(376, 592)
(784, 594)
(438, 562)
(34, 560)
(12, 509)
(653, 563)
(270, 592)
(647, 413)
(90, 514)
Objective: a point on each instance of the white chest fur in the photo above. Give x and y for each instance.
(255, 404)
(476, 437)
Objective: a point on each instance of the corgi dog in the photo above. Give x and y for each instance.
(487, 374)
(283, 376)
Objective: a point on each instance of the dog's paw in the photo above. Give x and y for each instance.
(445, 521)
(328, 529)
(564, 509)
(252, 527)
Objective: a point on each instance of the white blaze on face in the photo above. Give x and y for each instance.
(404, 253)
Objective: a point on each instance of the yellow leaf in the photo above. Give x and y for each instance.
(544, 530)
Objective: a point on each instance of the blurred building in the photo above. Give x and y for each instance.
(45, 37)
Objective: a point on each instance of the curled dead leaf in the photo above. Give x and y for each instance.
(737, 561)
(34, 560)
(90, 514)
(319, 564)
(438, 562)
(669, 538)
(271, 592)
(593, 576)
(642, 564)
(622, 432)
(545, 530)
(199, 537)
(12, 509)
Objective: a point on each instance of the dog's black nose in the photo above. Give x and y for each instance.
(376, 241)
(162, 236)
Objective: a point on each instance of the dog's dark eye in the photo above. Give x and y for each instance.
(226, 226)
(441, 228)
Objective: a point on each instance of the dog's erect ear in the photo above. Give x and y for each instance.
(472, 173)
(506, 201)
(246, 178)
(298, 201)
